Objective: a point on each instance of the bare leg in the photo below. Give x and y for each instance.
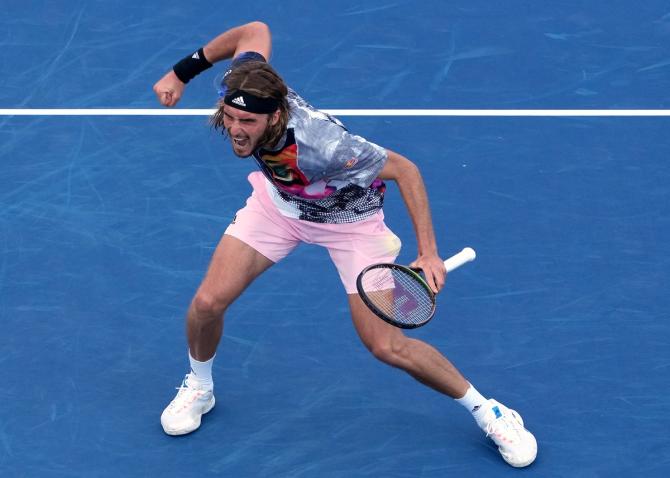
(417, 358)
(234, 266)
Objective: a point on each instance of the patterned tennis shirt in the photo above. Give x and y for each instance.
(318, 171)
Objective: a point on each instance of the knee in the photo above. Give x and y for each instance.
(207, 307)
(392, 352)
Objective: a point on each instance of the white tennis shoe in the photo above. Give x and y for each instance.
(185, 411)
(517, 445)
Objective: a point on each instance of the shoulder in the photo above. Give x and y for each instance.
(315, 130)
(304, 114)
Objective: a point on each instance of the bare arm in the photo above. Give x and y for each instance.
(254, 36)
(413, 191)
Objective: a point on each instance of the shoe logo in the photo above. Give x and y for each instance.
(497, 411)
(239, 101)
(195, 56)
(476, 408)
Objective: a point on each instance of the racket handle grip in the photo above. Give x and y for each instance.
(466, 255)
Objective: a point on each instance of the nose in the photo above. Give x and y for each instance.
(234, 127)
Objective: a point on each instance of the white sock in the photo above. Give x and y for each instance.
(474, 402)
(202, 370)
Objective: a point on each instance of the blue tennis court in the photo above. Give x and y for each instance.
(107, 224)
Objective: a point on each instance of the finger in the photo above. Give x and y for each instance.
(161, 96)
(442, 273)
(440, 277)
(439, 282)
(430, 279)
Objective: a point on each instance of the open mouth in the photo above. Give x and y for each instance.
(240, 142)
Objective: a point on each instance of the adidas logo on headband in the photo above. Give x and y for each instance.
(239, 101)
(246, 101)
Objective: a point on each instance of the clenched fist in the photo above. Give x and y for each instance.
(169, 89)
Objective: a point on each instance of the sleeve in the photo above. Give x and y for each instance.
(357, 161)
(237, 61)
(247, 56)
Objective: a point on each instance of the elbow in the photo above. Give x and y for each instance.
(408, 176)
(258, 28)
(398, 168)
(408, 171)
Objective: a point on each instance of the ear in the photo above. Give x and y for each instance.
(274, 118)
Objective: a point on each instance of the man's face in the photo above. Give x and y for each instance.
(245, 129)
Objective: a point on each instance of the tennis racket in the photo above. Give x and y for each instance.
(399, 295)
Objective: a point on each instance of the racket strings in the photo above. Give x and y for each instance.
(399, 295)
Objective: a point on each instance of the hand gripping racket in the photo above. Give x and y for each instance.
(399, 295)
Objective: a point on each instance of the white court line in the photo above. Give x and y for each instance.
(336, 112)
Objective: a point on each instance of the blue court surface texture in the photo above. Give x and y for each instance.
(107, 224)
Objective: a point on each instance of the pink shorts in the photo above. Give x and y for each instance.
(352, 246)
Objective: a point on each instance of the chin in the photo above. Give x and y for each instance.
(243, 153)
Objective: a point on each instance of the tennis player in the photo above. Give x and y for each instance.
(320, 184)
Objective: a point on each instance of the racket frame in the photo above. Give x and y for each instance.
(412, 273)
